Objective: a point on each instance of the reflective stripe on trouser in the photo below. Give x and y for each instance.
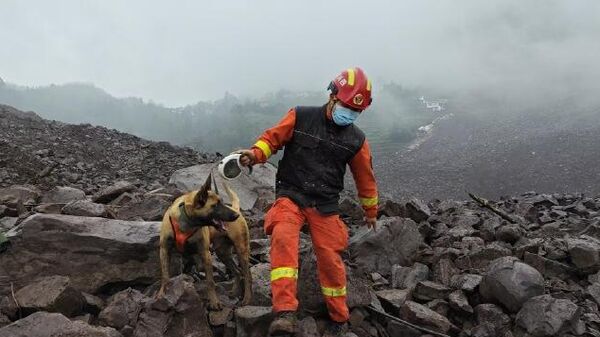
(330, 237)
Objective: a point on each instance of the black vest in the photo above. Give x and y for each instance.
(312, 170)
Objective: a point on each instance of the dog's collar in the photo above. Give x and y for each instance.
(187, 223)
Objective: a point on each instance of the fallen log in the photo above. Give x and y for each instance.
(487, 204)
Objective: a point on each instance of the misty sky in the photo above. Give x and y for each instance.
(180, 52)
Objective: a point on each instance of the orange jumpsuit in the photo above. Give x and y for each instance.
(328, 232)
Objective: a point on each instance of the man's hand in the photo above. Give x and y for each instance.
(247, 158)
(371, 223)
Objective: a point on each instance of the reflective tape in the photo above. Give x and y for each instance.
(350, 76)
(368, 202)
(264, 147)
(284, 272)
(333, 292)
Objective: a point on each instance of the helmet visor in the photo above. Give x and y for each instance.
(231, 169)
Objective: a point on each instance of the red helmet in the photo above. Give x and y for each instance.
(352, 88)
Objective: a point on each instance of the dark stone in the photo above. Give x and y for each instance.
(408, 277)
(52, 294)
(252, 321)
(425, 317)
(110, 193)
(511, 283)
(548, 316)
(44, 324)
(122, 309)
(396, 241)
(428, 291)
(417, 210)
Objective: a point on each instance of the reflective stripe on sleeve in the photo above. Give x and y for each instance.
(264, 147)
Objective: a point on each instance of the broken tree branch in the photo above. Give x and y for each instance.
(487, 204)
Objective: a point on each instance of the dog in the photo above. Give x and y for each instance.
(199, 218)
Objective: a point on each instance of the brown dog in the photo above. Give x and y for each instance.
(199, 218)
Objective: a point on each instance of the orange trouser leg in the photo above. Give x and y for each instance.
(330, 237)
(283, 222)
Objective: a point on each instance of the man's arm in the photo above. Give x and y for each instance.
(362, 170)
(271, 141)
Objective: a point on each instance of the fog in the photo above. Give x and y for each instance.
(181, 52)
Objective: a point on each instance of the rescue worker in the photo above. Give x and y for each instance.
(319, 142)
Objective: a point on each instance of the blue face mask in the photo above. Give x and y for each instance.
(343, 116)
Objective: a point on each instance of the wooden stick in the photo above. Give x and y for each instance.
(487, 204)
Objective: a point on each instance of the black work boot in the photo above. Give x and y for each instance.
(283, 324)
(335, 329)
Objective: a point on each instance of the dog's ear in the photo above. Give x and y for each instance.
(202, 194)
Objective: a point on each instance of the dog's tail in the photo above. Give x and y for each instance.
(233, 197)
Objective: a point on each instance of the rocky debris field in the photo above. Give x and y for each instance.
(497, 149)
(82, 258)
(431, 269)
(50, 153)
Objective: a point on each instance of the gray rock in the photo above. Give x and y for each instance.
(396, 329)
(151, 208)
(459, 302)
(261, 284)
(52, 294)
(95, 252)
(84, 208)
(19, 194)
(423, 316)
(181, 312)
(444, 270)
(7, 223)
(594, 291)
(408, 277)
(548, 268)
(111, 192)
(510, 233)
(466, 282)
(429, 291)
(492, 314)
(93, 304)
(548, 316)
(252, 321)
(63, 195)
(417, 210)
(122, 309)
(396, 242)
(307, 327)
(584, 251)
(49, 208)
(393, 299)
(481, 258)
(349, 208)
(440, 306)
(248, 187)
(511, 283)
(4, 320)
(391, 208)
(44, 324)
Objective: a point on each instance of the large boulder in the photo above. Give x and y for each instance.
(548, 316)
(396, 241)
(52, 294)
(248, 187)
(63, 195)
(511, 282)
(98, 254)
(19, 194)
(44, 324)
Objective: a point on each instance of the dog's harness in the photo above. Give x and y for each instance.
(181, 236)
